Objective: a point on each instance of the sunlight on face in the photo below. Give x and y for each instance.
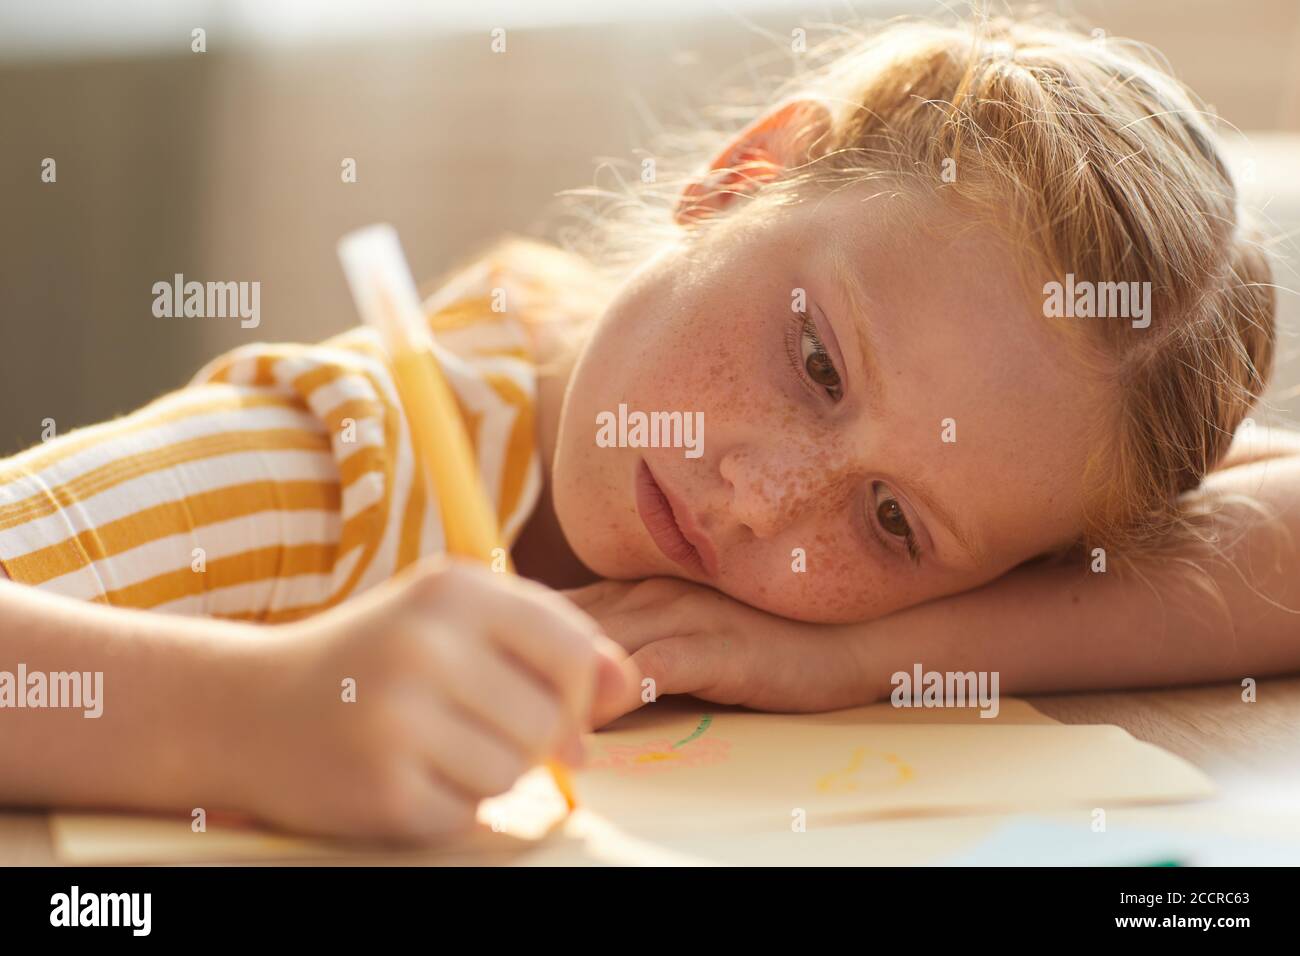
(915, 430)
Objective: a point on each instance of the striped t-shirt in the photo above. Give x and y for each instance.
(280, 481)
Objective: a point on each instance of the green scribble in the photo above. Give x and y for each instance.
(705, 720)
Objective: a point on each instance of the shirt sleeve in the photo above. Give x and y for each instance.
(279, 482)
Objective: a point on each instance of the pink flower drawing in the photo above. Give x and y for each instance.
(655, 756)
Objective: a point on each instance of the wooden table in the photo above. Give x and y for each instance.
(1210, 726)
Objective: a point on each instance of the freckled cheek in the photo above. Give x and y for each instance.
(748, 394)
(825, 595)
(806, 474)
(707, 362)
(822, 576)
(841, 580)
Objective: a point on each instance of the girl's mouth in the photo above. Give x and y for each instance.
(663, 518)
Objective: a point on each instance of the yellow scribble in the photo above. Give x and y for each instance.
(654, 756)
(841, 781)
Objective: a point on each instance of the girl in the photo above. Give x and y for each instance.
(907, 457)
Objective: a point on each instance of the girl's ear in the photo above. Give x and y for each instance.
(785, 137)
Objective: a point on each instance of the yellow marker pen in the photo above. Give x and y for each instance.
(386, 297)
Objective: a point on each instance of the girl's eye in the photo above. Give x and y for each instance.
(891, 518)
(813, 358)
(893, 521)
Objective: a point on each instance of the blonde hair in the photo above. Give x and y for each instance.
(1108, 170)
(1100, 164)
(1097, 161)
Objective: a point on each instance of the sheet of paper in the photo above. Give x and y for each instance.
(1203, 834)
(1200, 834)
(107, 838)
(526, 827)
(665, 777)
(1051, 842)
(663, 770)
(897, 841)
(1011, 710)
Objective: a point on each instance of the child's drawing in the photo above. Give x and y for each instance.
(866, 768)
(695, 750)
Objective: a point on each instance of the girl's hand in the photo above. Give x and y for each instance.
(464, 679)
(691, 639)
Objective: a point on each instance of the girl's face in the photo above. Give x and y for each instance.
(887, 416)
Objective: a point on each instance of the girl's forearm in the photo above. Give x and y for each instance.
(168, 703)
(1058, 628)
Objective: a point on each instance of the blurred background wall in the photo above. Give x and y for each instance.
(225, 165)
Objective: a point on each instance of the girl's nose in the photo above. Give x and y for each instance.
(768, 492)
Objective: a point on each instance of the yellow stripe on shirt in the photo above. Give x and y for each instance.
(287, 466)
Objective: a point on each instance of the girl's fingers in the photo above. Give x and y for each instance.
(674, 665)
(493, 690)
(464, 753)
(616, 596)
(633, 630)
(594, 595)
(559, 643)
(651, 610)
(611, 682)
(428, 809)
(788, 668)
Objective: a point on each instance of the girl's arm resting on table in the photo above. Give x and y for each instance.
(1056, 628)
(164, 721)
(390, 716)
(1199, 614)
